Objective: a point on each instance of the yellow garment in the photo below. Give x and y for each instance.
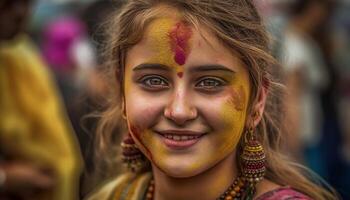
(127, 186)
(33, 125)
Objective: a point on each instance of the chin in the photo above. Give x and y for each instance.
(181, 172)
(181, 169)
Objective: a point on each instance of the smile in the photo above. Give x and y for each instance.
(181, 138)
(178, 140)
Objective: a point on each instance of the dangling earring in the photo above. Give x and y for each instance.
(132, 156)
(253, 158)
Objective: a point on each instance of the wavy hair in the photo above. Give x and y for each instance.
(237, 24)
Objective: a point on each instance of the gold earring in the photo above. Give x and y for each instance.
(253, 158)
(132, 156)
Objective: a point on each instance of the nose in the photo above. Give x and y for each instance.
(180, 109)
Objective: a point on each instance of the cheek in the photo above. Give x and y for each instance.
(140, 117)
(238, 99)
(234, 108)
(227, 118)
(226, 112)
(140, 137)
(141, 108)
(141, 113)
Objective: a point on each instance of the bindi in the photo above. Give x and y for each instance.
(180, 74)
(179, 37)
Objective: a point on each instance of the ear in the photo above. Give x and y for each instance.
(258, 106)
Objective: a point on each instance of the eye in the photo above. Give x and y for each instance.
(154, 82)
(212, 83)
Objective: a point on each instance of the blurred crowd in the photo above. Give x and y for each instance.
(51, 60)
(311, 41)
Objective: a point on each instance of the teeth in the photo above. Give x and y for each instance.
(176, 137)
(181, 138)
(169, 136)
(184, 137)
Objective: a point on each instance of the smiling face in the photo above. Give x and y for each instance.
(186, 97)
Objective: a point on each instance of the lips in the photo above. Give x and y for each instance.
(181, 137)
(175, 139)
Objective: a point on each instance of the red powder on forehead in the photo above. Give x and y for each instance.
(180, 74)
(179, 37)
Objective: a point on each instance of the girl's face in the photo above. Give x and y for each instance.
(186, 97)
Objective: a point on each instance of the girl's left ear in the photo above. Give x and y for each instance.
(258, 107)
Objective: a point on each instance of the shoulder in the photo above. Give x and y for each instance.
(283, 193)
(125, 186)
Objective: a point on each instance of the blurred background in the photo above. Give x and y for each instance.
(310, 38)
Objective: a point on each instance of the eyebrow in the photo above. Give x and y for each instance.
(200, 68)
(211, 67)
(153, 66)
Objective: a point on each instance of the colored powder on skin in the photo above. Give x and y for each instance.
(238, 98)
(234, 113)
(171, 42)
(234, 121)
(138, 134)
(179, 37)
(157, 32)
(155, 145)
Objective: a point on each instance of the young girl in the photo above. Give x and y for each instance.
(194, 92)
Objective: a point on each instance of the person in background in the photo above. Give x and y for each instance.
(94, 15)
(306, 76)
(38, 151)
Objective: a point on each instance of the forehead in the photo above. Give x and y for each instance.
(204, 47)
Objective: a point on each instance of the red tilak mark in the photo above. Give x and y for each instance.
(136, 133)
(180, 74)
(179, 37)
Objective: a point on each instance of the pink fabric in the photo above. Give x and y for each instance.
(58, 39)
(283, 193)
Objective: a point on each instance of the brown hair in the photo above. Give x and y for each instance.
(237, 24)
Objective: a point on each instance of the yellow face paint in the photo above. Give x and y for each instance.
(220, 117)
(238, 98)
(234, 112)
(171, 41)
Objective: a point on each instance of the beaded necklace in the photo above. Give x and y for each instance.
(236, 191)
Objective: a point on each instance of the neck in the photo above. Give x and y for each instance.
(206, 185)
